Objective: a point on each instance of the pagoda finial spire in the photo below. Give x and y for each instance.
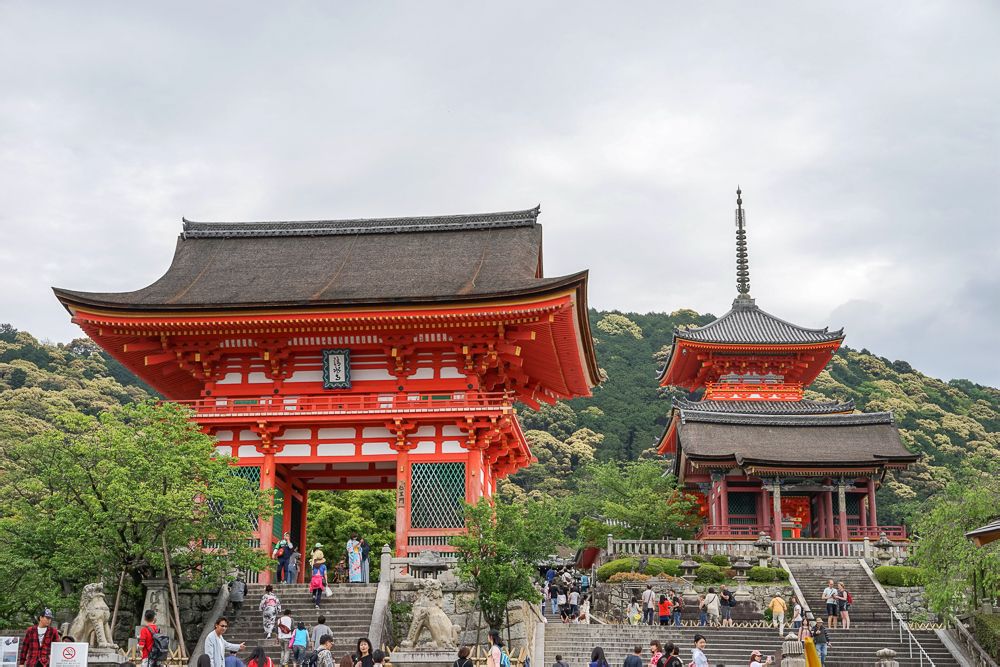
(742, 262)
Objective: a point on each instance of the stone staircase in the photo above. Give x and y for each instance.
(348, 613)
(729, 646)
(868, 606)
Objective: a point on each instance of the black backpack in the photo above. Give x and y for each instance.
(159, 646)
(311, 659)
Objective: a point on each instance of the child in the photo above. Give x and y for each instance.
(377, 657)
(299, 642)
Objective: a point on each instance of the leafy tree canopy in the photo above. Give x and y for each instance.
(94, 496)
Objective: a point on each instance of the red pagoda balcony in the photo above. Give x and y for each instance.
(766, 391)
(895, 533)
(348, 406)
(732, 532)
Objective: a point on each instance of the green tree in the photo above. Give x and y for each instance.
(639, 498)
(497, 555)
(334, 515)
(96, 496)
(958, 572)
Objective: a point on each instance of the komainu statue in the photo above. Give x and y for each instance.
(428, 615)
(93, 623)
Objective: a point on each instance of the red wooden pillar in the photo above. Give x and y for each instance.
(828, 499)
(842, 508)
(286, 511)
(765, 503)
(724, 502)
(777, 515)
(304, 549)
(474, 487)
(872, 515)
(817, 518)
(265, 524)
(402, 500)
(863, 511)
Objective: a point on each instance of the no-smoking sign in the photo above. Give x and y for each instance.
(69, 654)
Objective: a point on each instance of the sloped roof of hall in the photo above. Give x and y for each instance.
(346, 262)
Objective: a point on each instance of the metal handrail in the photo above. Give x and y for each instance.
(895, 620)
(911, 640)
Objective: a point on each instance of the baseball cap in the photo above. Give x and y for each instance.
(47, 613)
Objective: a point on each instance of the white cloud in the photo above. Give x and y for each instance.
(865, 138)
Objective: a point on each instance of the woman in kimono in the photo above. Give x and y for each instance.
(354, 559)
(269, 608)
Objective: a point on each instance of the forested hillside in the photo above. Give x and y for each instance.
(954, 424)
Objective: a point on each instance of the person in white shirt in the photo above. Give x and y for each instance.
(796, 614)
(830, 597)
(757, 659)
(698, 657)
(216, 646)
(648, 605)
(286, 628)
(574, 603)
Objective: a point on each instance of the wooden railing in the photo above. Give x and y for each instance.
(735, 531)
(784, 549)
(349, 404)
(875, 532)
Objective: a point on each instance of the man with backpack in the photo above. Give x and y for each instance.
(283, 552)
(728, 601)
(237, 593)
(155, 647)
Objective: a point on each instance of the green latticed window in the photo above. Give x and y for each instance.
(436, 494)
(742, 508)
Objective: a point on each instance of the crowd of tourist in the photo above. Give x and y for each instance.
(568, 594)
(354, 567)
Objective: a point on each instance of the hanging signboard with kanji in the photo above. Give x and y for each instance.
(337, 369)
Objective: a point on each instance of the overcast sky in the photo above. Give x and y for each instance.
(866, 137)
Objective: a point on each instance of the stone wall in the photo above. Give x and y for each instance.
(459, 603)
(911, 601)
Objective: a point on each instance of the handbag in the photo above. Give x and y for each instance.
(328, 592)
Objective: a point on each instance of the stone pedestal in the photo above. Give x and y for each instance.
(104, 657)
(158, 599)
(419, 657)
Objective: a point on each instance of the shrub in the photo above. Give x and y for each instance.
(668, 566)
(987, 632)
(780, 574)
(900, 575)
(698, 558)
(628, 576)
(761, 574)
(615, 566)
(709, 574)
(720, 560)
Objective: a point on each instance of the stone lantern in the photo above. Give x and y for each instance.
(763, 546)
(792, 652)
(741, 567)
(886, 658)
(883, 549)
(689, 566)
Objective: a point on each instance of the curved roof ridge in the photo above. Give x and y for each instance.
(803, 407)
(745, 419)
(746, 322)
(193, 229)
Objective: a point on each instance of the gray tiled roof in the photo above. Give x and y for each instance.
(346, 262)
(804, 407)
(784, 439)
(746, 323)
(437, 223)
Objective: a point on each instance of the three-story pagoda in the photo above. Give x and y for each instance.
(761, 456)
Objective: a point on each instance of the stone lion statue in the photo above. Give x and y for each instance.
(428, 615)
(93, 623)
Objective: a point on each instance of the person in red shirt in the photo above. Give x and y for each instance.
(146, 635)
(36, 646)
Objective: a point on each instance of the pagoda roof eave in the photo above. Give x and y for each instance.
(102, 302)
